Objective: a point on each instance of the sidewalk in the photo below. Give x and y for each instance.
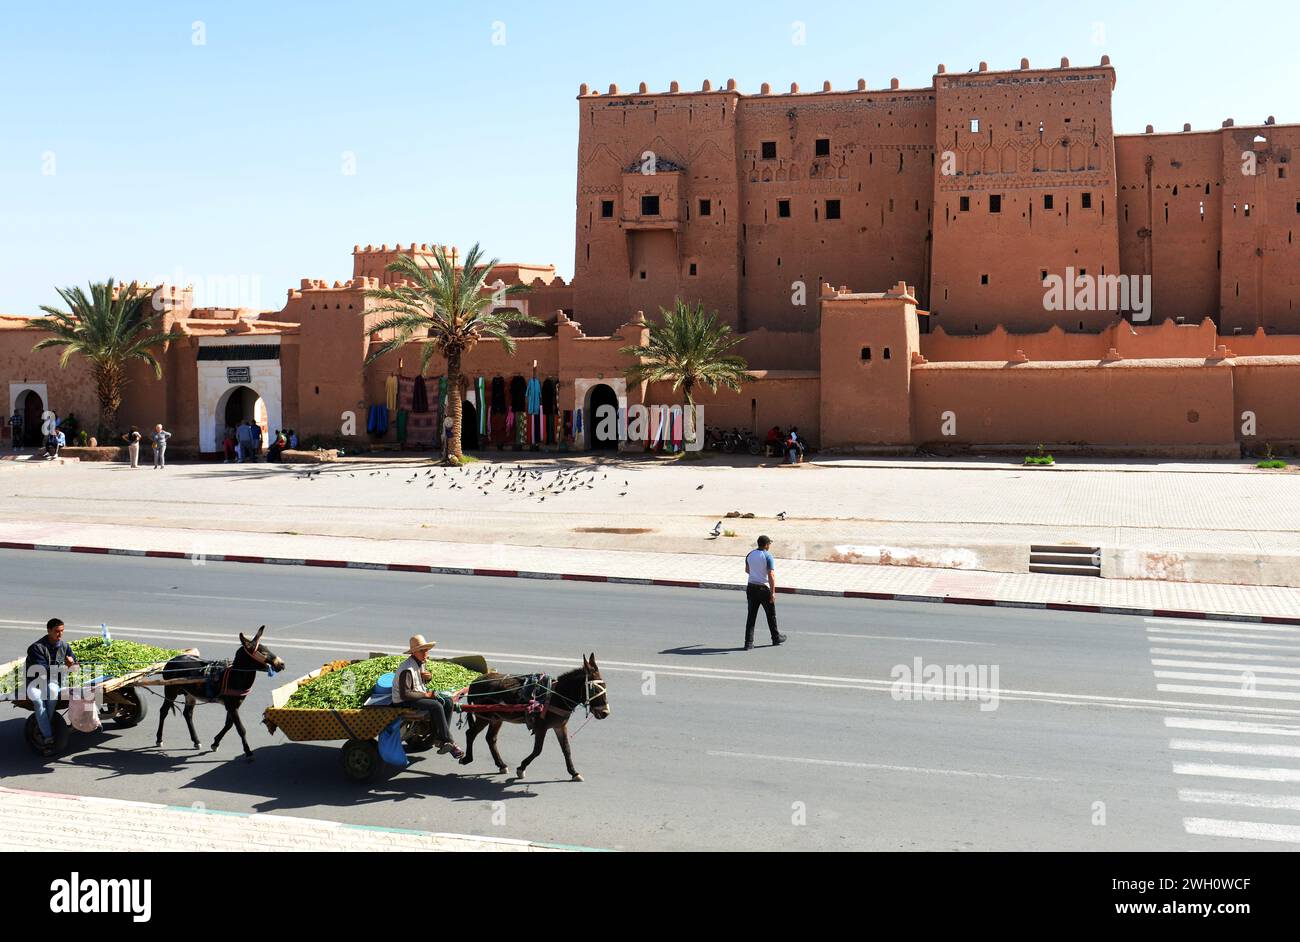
(1225, 523)
(31, 820)
(718, 570)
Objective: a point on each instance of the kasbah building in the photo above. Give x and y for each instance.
(883, 252)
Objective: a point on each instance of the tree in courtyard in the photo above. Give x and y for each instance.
(451, 308)
(688, 349)
(111, 327)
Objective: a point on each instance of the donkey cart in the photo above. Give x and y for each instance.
(358, 728)
(120, 700)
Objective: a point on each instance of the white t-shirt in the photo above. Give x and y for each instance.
(760, 564)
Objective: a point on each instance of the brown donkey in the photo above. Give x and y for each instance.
(546, 705)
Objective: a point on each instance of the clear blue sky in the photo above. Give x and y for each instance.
(225, 159)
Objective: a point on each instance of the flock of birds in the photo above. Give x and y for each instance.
(518, 482)
(500, 479)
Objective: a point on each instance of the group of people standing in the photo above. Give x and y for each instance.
(157, 438)
(244, 443)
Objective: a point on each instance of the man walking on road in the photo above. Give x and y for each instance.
(761, 590)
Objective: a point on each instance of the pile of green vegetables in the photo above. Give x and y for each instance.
(348, 688)
(99, 659)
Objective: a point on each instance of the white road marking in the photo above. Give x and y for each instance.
(709, 673)
(1228, 692)
(1241, 678)
(1250, 830)
(879, 767)
(1273, 750)
(1225, 665)
(1227, 655)
(1223, 625)
(1206, 642)
(1252, 772)
(1231, 726)
(835, 634)
(1244, 799)
(299, 624)
(219, 598)
(1170, 634)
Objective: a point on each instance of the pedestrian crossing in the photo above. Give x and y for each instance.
(1239, 778)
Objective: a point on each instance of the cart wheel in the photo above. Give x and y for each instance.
(130, 710)
(58, 726)
(418, 742)
(360, 759)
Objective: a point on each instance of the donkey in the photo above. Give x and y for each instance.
(211, 681)
(579, 687)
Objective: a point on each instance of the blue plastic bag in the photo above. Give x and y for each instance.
(390, 745)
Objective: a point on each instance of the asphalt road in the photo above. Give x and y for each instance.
(1100, 733)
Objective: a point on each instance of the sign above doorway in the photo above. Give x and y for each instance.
(238, 374)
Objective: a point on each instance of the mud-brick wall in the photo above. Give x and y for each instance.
(1128, 403)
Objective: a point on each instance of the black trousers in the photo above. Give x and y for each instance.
(757, 595)
(439, 715)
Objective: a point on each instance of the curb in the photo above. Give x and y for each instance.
(668, 583)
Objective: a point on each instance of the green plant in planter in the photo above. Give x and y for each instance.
(1040, 457)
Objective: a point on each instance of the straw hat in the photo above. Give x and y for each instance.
(419, 644)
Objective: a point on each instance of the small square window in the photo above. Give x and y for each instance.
(649, 206)
(974, 125)
(706, 207)
(964, 204)
(984, 279)
(769, 150)
(866, 353)
(783, 208)
(694, 270)
(1047, 201)
(1086, 201)
(606, 209)
(823, 148)
(643, 276)
(832, 209)
(1042, 275)
(886, 354)
(1281, 173)
(995, 202)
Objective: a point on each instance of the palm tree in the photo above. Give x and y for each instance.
(689, 348)
(448, 306)
(111, 327)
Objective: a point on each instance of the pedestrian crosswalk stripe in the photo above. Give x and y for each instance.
(1224, 665)
(1251, 772)
(1227, 625)
(1227, 655)
(1228, 692)
(1220, 625)
(1212, 643)
(1231, 726)
(1272, 750)
(1241, 677)
(1245, 799)
(1252, 830)
(1158, 634)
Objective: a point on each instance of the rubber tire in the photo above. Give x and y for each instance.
(131, 714)
(755, 447)
(58, 726)
(360, 758)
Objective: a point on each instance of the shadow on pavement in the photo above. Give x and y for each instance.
(689, 649)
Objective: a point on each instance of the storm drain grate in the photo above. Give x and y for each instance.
(1066, 560)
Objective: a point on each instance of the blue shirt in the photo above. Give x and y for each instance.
(760, 564)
